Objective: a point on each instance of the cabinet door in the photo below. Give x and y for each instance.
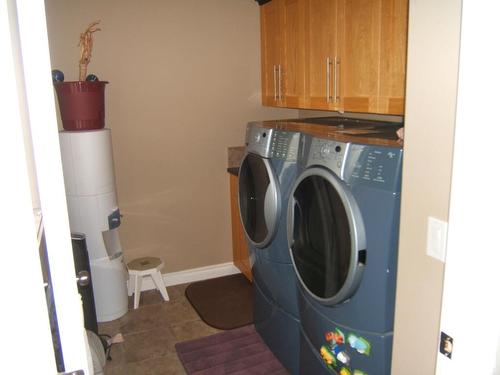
(282, 49)
(373, 55)
(291, 74)
(270, 32)
(360, 54)
(393, 56)
(321, 54)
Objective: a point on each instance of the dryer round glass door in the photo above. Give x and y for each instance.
(258, 199)
(326, 236)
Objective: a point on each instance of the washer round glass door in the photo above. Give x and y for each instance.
(326, 236)
(258, 199)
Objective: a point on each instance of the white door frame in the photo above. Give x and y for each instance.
(471, 304)
(28, 107)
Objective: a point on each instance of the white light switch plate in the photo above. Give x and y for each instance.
(437, 231)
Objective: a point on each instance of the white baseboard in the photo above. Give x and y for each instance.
(191, 275)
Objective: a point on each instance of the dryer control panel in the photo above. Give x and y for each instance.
(285, 145)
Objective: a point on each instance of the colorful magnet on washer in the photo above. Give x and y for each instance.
(330, 336)
(327, 356)
(336, 336)
(359, 372)
(340, 354)
(339, 336)
(343, 358)
(360, 344)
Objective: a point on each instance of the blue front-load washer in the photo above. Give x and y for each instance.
(267, 172)
(343, 224)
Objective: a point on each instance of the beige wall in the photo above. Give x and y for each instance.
(184, 80)
(433, 44)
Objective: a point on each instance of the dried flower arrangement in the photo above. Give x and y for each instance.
(86, 44)
(81, 102)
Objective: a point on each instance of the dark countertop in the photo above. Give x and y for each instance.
(338, 128)
(342, 129)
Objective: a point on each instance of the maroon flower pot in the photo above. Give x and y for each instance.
(81, 104)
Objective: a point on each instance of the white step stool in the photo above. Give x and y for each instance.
(146, 266)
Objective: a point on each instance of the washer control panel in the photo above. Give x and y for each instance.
(374, 166)
(368, 165)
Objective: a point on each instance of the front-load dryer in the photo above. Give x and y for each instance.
(267, 172)
(343, 223)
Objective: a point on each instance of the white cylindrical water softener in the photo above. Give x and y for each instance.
(87, 158)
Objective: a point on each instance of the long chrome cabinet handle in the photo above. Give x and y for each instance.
(274, 81)
(335, 79)
(279, 83)
(328, 80)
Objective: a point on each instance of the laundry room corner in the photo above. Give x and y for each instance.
(176, 100)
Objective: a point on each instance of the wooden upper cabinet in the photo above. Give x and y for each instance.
(346, 55)
(359, 55)
(321, 53)
(271, 45)
(393, 42)
(373, 55)
(282, 40)
(292, 74)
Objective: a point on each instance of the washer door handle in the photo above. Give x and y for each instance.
(295, 213)
(270, 208)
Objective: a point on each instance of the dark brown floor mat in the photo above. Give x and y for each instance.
(224, 302)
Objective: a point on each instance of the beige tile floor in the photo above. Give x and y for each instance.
(150, 333)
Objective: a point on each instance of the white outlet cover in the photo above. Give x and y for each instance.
(437, 232)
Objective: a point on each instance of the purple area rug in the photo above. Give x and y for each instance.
(238, 351)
